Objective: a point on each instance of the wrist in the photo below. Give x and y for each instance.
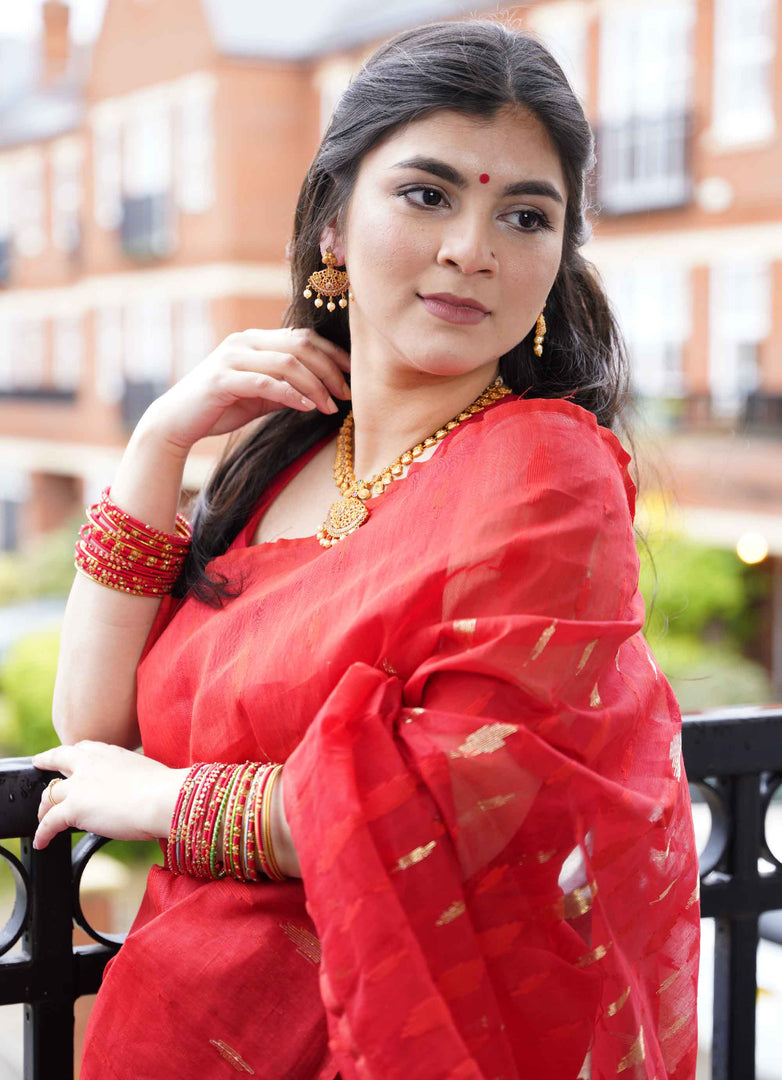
(282, 841)
(149, 432)
(166, 801)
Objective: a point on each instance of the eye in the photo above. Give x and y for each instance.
(430, 196)
(540, 220)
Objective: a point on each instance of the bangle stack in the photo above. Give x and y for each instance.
(123, 553)
(238, 797)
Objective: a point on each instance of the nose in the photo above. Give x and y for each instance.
(467, 245)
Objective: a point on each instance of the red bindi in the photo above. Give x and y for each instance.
(484, 178)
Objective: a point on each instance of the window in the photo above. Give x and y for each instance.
(196, 339)
(644, 97)
(107, 155)
(652, 304)
(6, 357)
(563, 28)
(27, 348)
(66, 195)
(195, 140)
(147, 149)
(6, 188)
(14, 493)
(331, 81)
(740, 318)
(148, 342)
(744, 36)
(109, 354)
(28, 204)
(67, 352)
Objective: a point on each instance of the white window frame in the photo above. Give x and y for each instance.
(109, 354)
(6, 351)
(740, 312)
(195, 334)
(29, 205)
(146, 149)
(652, 301)
(563, 28)
(149, 340)
(646, 71)
(67, 166)
(68, 352)
(744, 50)
(27, 353)
(331, 81)
(107, 165)
(195, 143)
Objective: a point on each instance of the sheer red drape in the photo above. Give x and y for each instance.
(483, 780)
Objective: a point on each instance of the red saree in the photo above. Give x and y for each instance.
(483, 781)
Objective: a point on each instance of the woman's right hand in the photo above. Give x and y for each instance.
(249, 374)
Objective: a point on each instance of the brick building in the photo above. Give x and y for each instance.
(145, 209)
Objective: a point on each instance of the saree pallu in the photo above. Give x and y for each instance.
(483, 781)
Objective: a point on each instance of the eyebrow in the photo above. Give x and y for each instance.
(447, 172)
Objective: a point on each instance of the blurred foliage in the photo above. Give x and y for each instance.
(702, 608)
(45, 568)
(27, 675)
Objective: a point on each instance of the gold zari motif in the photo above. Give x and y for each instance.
(594, 954)
(307, 945)
(543, 641)
(615, 1006)
(486, 740)
(456, 909)
(417, 855)
(635, 1055)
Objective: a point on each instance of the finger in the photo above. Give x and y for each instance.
(54, 822)
(249, 384)
(296, 336)
(58, 759)
(288, 368)
(58, 792)
(327, 366)
(340, 356)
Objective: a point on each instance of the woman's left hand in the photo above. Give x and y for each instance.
(107, 790)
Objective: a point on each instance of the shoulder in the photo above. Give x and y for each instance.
(535, 441)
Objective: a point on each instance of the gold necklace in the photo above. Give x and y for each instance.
(350, 512)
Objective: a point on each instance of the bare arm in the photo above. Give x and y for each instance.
(104, 630)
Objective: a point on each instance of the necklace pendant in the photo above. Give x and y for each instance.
(344, 517)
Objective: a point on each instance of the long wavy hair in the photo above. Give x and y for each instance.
(477, 67)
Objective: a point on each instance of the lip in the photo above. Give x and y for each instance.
(456, 301)
(443, 307)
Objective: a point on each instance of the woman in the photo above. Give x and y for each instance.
(484, 850)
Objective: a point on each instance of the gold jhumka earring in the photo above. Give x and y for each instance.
(540, 332)
(329, 282)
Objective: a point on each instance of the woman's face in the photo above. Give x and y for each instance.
(439, 208)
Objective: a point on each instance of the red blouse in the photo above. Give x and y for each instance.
(483, 781)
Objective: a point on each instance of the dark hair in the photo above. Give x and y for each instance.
(477, 67)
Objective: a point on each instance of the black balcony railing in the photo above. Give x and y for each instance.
(147, 227)
(5, 260)
(38, 394)
(643, 163)
(137, 396)
(732, 757)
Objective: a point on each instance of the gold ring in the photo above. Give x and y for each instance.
(49, 787)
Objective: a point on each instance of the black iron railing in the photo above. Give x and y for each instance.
(733, 758)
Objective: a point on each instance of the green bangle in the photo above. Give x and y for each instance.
(213, 852)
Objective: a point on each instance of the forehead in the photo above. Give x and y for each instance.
(511, 145)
